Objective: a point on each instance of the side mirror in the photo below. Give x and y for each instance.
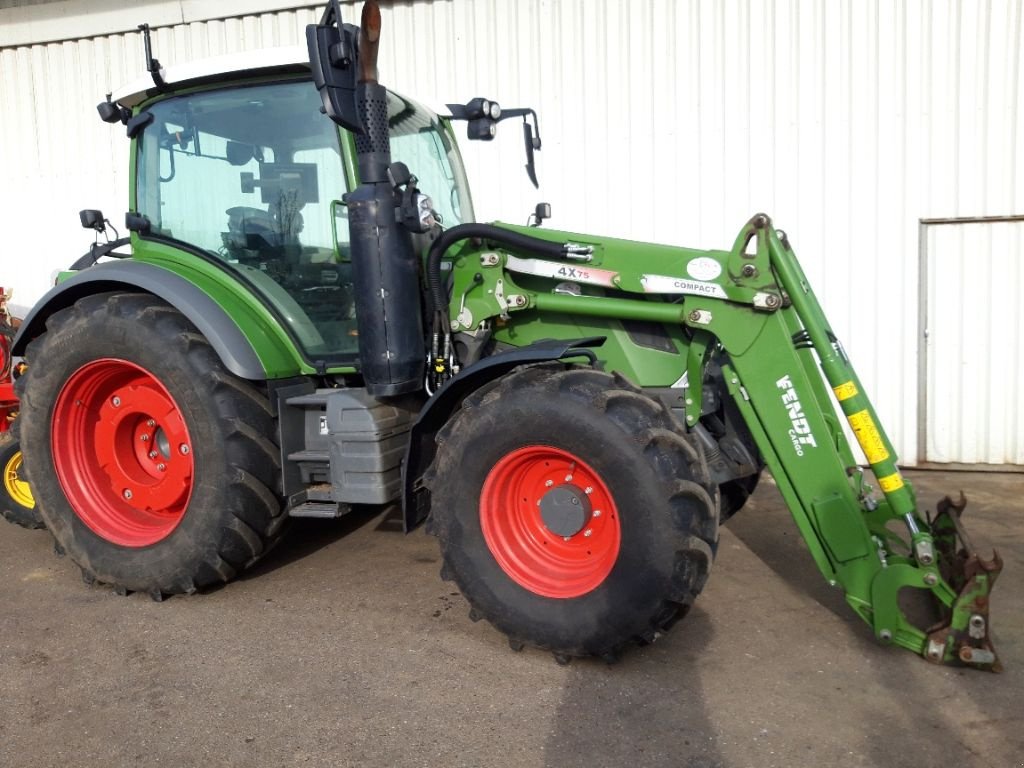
(482, 117)
(92, 219)
(334, 56)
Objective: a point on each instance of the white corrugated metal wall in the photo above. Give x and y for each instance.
(669, 121)
(973, 353)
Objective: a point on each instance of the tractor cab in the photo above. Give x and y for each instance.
(246, 172)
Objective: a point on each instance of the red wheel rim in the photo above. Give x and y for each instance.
(534, 556)
(122, 452)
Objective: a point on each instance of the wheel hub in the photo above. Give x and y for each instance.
(565, 510)
(122, 452)
(17, 488)
(550, 521)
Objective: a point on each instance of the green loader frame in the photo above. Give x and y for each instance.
(783, 366)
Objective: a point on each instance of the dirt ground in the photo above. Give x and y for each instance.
(344, 648)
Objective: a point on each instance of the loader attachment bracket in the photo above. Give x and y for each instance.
(964, 635)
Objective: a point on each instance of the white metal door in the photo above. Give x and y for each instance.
(973, 330)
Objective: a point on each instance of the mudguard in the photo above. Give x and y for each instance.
(438, 409)
(223, 333)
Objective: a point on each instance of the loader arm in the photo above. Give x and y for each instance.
(781, 383)
(783, 368)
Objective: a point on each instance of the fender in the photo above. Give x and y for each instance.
(438, 409)
(223, 333)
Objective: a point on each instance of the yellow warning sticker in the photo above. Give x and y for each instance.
(891, 483)
(868, 436)
(845, 391)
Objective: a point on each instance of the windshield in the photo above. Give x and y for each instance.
(253, 178)
(420, 141)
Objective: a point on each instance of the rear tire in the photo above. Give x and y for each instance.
(155, 468)
(16, 503)
(509, 466)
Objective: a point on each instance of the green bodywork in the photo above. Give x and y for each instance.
(751, 308)
(276, 350)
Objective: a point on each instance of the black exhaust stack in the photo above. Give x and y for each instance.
(385, 268)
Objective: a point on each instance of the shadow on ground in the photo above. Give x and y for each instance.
(646, 710)
(306, 536)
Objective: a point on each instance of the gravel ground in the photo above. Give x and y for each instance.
(344, 648)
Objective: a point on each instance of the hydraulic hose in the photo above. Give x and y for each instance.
(449, 237)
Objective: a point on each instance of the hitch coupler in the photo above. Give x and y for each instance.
(963, 635)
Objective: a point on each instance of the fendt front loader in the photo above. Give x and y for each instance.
(296, 328)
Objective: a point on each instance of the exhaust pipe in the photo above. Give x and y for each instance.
(385, 268)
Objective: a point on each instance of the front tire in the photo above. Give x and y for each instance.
(571, 511)
(154, 467)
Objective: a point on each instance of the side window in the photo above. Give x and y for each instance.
(319, 214)
(247, 176)
(196, 168)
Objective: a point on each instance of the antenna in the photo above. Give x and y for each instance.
(152, 65)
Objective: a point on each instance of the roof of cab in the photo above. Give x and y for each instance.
(293, 58)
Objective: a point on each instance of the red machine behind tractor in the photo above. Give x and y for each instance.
(16, 503)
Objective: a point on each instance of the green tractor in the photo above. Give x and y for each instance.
(308, 318)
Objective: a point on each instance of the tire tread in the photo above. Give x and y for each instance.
(254, 516)
(678, 463)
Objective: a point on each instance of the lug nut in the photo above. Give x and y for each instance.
(568, 478)
(152, 454)
(144, 438)
(597, 513)
(115, 401)
(151, 423)
(161, 466)
(549, 483)
(588, 533)
(588, 490)
(127, 493)
(183, 449)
